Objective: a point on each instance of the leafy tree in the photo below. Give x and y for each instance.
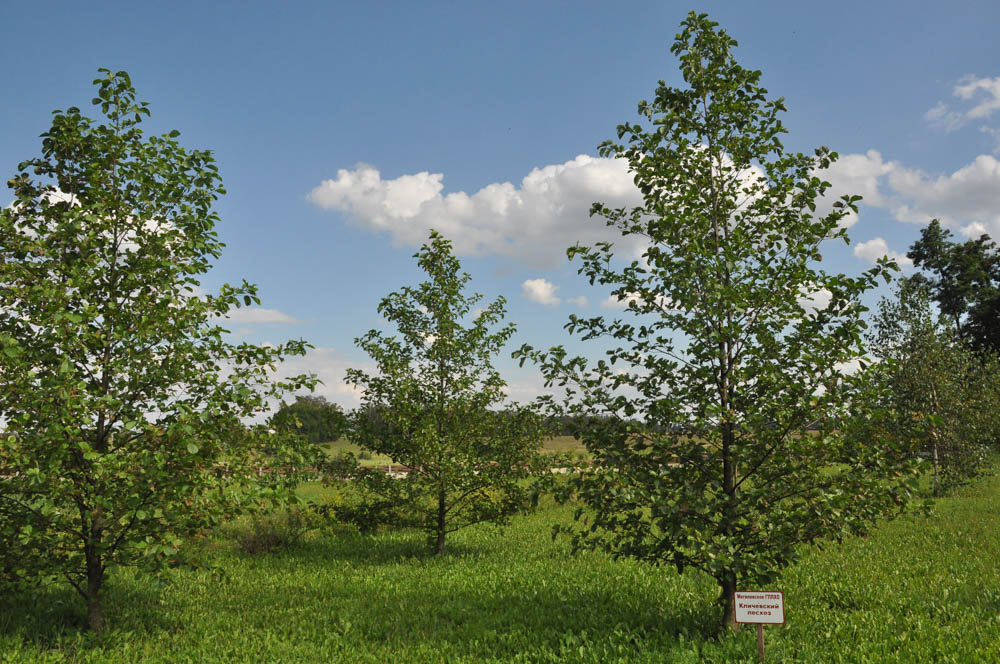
(123, 403)
(964, 281)
(940, 393)
(723, 360)
(312, 416)
(434, 405)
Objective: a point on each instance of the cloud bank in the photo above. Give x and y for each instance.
(532, 223)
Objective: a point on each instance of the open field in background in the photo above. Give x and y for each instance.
(564, 445)
(919, 589)
(341, 446)
(556, 445)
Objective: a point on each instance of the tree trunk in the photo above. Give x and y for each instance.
(95, 614)
(440, 522)
(936, 482)
(93, 558)
(728, 580)
(95, 580)
(937, 439)
(728, 585)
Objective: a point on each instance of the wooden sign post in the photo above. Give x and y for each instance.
(765, 607)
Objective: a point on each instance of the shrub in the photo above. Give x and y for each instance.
(269, 532)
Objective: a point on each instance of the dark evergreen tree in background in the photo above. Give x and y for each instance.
(964, 281)
(313, 417)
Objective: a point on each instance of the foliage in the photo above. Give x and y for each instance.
(312, 416)
(123, 403)
(725, 362)
(918, 589)
(964, 281)
(940, 392)
(274, 530)
(432, 406)
(373, 500)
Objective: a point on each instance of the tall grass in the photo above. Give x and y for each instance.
(919, 589)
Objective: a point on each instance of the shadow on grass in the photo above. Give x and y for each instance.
(428, 601)
(388, 594)
(52, 615)
(361, 550)
(495, 625)
(41, 614)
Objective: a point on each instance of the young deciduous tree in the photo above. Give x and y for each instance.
(941, 394)
(724, 360)
(123, 403)
(434, 405)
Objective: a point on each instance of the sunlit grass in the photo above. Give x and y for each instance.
(919, 589)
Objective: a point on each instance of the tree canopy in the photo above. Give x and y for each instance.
(437, 404)
(721, 355)
(941, 394)
(313, 417)
(124, 404)
(964, 280)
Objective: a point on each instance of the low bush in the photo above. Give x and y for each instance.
(269, 532)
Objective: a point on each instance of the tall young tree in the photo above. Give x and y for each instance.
(723, 360)
(123, 402)
(438, 403)
(942, 394)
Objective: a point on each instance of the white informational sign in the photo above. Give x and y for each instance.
(766, 607)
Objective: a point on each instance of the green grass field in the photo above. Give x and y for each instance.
(919, 589)
(555, 445)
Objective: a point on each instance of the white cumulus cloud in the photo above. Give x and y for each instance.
(970, 195)
(532, 223)
(330, 366)
(987, 90)
(966, 200)
(854, 175)
(876, 248)
(815, 300)
(612, 301)
(540, 291)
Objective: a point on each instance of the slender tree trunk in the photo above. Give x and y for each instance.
(94, 561)
(726, 385)
(728, 581)
(937, 487)
(95, 580)
(936, 438)
(440, 521)
(728, 585)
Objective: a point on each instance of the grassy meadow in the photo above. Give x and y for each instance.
(919, 589)
(554, 445)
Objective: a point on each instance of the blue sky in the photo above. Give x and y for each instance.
(344, 130)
